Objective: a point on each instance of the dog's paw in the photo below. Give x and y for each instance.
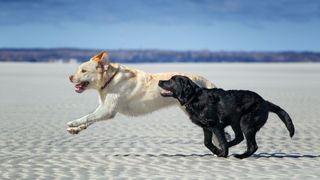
(73, 123)
(76, 130)
(240, 156)
(222, 154)
(73, 130)
(216, 151)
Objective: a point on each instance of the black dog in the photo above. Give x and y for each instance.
(214, 109)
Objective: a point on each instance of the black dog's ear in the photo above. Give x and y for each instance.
(188, 90)
(181, 90)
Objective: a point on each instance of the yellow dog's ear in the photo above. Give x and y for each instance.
(102, 58)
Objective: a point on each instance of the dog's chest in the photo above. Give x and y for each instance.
(201, 115)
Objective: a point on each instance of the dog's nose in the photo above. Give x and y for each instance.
(71, 78)
(159, 83)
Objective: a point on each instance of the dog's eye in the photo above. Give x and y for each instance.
(83, 71)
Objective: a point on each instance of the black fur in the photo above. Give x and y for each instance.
(214, 109)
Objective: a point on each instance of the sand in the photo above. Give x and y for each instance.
(37, 101)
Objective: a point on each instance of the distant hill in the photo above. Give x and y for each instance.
(141, 56)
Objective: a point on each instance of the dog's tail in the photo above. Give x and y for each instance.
(283, 115)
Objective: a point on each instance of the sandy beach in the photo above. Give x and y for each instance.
(37, 100)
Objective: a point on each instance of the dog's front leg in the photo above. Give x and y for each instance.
(219, 132)
(208, 141)
(105, 111)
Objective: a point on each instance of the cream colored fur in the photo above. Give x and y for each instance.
(131, 92)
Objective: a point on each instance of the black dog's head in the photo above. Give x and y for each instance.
(179, 87)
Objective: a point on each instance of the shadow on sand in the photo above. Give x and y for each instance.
(257, 156)
(163, 155)
(284, 155)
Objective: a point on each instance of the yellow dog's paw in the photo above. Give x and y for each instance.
(73, 123)
(76, 130)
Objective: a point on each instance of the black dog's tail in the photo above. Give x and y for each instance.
(283, 115)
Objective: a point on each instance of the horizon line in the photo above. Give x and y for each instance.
(157, 49)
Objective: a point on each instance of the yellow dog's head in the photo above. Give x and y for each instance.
(89, 74)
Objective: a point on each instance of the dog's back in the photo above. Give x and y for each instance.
(237, 100)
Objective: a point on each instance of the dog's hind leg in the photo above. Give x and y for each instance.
(251, 145)
(250, 126)
(208, 141)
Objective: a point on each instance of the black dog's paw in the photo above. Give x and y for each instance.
(219, 153)
(240, 156)
(222, 154)
(216, 151)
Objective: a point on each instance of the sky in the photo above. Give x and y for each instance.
(217, 25)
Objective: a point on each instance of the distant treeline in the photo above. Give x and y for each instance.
(141, 56)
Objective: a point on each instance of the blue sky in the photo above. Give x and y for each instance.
(249, 25)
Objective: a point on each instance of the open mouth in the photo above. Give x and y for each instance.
(166, 93)
(80, 87)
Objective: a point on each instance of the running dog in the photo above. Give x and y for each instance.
(121, 89)
(214, 109)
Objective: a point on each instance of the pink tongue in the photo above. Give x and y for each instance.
(78, 88)
(78, 85)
